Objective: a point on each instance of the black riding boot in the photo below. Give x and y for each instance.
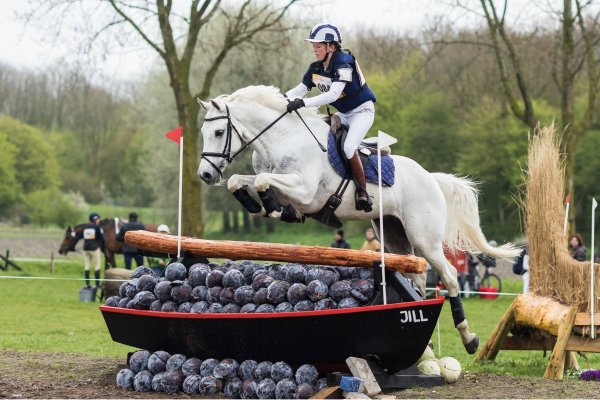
(363, 200)
(86, 275)
(97, 276)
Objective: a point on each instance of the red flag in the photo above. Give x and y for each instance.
(175, 135)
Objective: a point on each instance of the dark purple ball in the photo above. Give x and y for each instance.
(175, 272)
(263, 370)
(185, 307)
(246, 369)
(227, 368)
(277, 292)
(226, 295)
(130, 304)
(139, 360)
(172, 381)
(243, 295)
(210, 385)
(285, 389)
(344, 272)
(340, 290)
(141, 271)
(232, 388)
(191, 384)
(199, 307)
(212, 296)
(317, 290)
(325, 304)
(142, 300)
(191, 366)
(230, 264)
(113, 301)
(304, 305)
(125, 379)
(306, 374)
(248, 308)
(156, 305)
(348, 302)
(329, 275)
(175, 361)
(296, 273)
(260, 297)
(248, 389)
(284, 307)
(181, 292)
(278, 272)
(305, 391)
(233, 279)
(266, 389)
(249, 270)
(261, 281)
(199, 293)
(123, 290)
(162, 291)
(313, 274)
(362, 290)
(169, 306)
(131, 289)
(123, 302)
(207, 366)
(265, 308)
(231, 308)
(365, 273)
(215, 308)
(281, 370)
(143, 381)
(197, 274)
(157, 362)
(157, 382)
(215, 278)
(296, 293)
(146, 283)
(321, 384)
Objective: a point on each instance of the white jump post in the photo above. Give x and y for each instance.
(592, 277)
(176, 135)
(567, 213)
(383, 140)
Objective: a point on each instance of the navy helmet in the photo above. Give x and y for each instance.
(324, 32)
(94, 216)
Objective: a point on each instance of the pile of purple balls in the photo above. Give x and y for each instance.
(245, 287)
(162, 372)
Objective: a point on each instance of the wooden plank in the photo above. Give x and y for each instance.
(360, 369)
(585, 319)
(556, 365)
(238, 250)
(355, 395)
(585, 344)
(525, 343)
(329, 392)
(494, 343)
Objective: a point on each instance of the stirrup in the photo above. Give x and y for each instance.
(363, 203)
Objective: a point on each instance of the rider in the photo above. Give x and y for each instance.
(337, 76)
(93, 240)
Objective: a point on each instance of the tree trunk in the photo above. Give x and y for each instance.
(246, 221)
(236, 222)
(226, 222)
(270, 225)
(256, 223)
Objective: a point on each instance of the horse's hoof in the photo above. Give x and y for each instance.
(472, 346)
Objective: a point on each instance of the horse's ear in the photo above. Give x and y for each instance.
(204, 104)
(215, 105)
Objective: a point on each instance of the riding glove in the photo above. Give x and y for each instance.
(295, 104)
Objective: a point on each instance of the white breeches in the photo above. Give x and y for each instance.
(359, 121)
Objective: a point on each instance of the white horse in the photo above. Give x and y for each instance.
(423, 211)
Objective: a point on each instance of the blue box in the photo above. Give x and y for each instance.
(350, 384)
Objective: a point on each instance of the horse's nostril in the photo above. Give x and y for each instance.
(206, 175)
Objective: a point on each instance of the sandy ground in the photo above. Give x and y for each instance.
(60, 375)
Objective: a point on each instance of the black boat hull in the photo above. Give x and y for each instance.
(396, 334)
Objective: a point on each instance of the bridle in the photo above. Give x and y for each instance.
(226, 153)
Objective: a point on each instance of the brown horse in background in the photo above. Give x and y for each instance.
(111, 245)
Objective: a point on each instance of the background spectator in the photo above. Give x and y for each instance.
(339, 241)
(371, 243)
(130, 252)
(93, 241)
(578, 250)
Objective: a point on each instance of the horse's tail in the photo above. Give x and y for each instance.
(462, 226)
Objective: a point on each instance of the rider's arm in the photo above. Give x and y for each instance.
(298, 92)
(328, 97)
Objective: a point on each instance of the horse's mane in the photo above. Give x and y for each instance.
(269, 96)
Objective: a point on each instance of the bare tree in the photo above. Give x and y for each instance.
(174, 34)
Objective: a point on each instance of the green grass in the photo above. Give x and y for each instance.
(46, 315)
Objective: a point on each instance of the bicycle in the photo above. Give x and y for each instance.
(489, 280)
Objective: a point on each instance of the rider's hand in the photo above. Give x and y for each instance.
(295, 104)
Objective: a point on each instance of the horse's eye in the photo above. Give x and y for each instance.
(219, 132)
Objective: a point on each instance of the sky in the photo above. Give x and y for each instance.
(27, 46)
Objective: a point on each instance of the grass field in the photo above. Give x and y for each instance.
(46, 315)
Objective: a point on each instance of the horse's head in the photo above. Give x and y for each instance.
(221, 141)
(68, 243)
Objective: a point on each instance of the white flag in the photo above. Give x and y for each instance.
(594, 203)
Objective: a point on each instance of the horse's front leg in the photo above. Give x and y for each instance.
(293, 186)
(242, 188)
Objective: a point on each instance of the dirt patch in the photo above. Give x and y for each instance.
(61, 375)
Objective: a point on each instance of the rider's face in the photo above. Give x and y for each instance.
(319, 50)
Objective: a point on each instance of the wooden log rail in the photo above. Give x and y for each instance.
(238, 250)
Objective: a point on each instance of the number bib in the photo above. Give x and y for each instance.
(323, 83)
(89, 234)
